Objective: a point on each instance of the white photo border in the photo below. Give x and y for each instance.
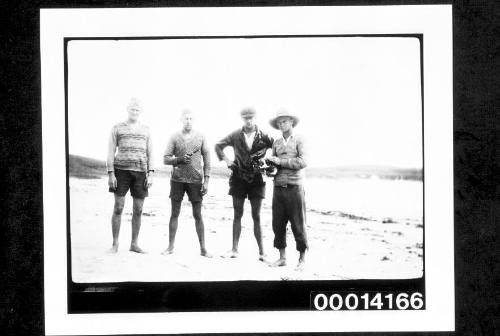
(433, 21)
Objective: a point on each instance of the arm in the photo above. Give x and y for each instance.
(150, 154)
(298, 162)
(205, 153)
(219, 147)
(111, 159)
(168, 155)
(150, 172)
(111, 151)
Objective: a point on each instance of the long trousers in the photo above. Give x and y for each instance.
(289, 205)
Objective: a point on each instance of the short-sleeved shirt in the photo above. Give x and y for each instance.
(130, 147)
(179, 145)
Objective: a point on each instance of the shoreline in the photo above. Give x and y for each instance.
(342, 245)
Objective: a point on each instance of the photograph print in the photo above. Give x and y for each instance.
(244, 158)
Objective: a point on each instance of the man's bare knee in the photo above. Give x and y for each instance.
(196, 210)
(118, 210)
(176, 209)
(137, 210)
(118, 207)
(175, 213)
(197, 214)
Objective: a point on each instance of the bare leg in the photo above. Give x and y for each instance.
(136, 224)
(256, 204)
(238, 204)
(281, 261)
(172, 225)
(116, 220)
(200, 228)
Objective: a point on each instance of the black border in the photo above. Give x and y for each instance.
(476, 160)
(140, 297)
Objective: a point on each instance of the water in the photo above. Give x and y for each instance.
(372, 198)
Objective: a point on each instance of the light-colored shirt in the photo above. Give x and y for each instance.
(177, 147)
(130, 147)
(292, 154)
(249, 137)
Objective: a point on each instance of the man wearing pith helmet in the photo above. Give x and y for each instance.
(250, 145)
(288, 205)
(130, 166)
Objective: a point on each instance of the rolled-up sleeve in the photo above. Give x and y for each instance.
(205, 153)
(110, 160)
(298, 162)
(219, 146)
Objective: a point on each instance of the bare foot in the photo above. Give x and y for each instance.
(262, 257)
(205, 254)
(136, 249)
(168, 251)
(113, 249)
(278, 263)
(301, 265)
(230, 254)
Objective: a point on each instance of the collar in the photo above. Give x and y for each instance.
(256, 130)
(285, 140)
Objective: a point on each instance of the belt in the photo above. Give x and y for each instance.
(291, 186)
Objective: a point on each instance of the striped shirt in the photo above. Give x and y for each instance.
(130, 147)
(292, 160)
(177, 146)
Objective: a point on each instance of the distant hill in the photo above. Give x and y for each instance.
(83, 167)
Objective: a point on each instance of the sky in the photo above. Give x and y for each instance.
(358, 98)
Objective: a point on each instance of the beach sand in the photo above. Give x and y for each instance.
(342, 245)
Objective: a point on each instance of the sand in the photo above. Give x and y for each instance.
(343, 245)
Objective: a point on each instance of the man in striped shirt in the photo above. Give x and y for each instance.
(288, 194)
(130, 166)
(185, 152)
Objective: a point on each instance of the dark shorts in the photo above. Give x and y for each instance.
(241, 189)
(193, 190)
(129, 179)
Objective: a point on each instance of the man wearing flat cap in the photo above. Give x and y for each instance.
(288, 195)
(250, 145)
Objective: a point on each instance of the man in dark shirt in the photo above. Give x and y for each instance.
(250, 145)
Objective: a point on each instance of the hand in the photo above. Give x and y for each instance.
(229, 163)
(204, 188)
(112, 181)
(185, 159)
(274, 160)
(148, 182)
